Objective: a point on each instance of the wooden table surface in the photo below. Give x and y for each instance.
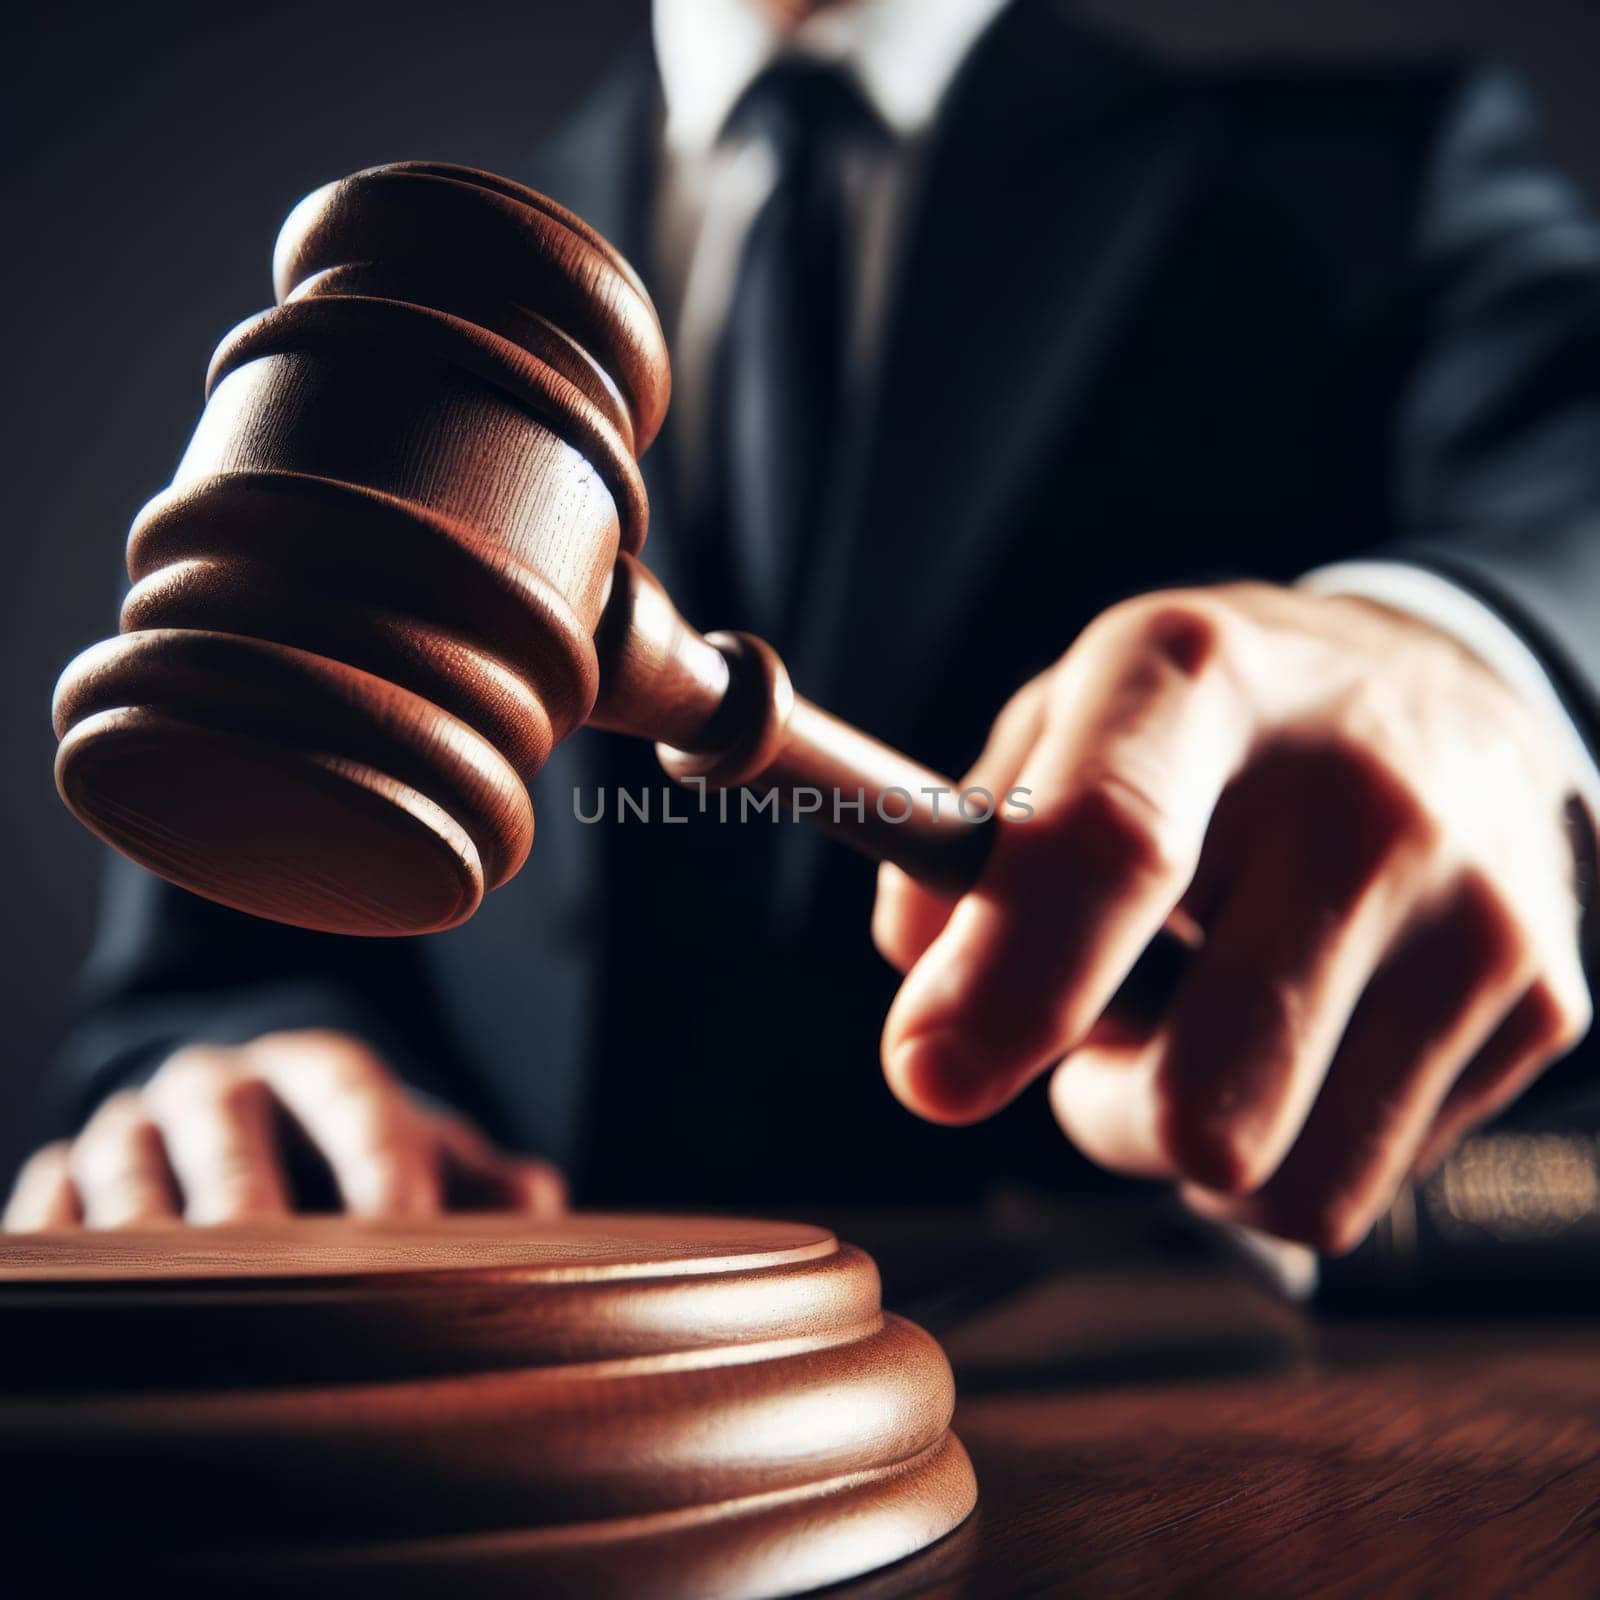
(1175, 1430)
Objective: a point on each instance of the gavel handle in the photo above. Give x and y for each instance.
(822, 769)
(724, 715)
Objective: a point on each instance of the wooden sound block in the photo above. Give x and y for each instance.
(473, 1405)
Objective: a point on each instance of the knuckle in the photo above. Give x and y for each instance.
(1183, 630)
(42, 1193)
(195, 1066)
(349, 1088)
(1386, 820)
(198, 1089)
(1375, 838)
(1578, 1022)
(1021, 713)
(118, 1153)
(1332, 1224)
(1224, 1158)
(1122, 824)
(1184, 635)
(1562, 1020)
(1495, 944)
(355, 1053)
(48, 1163)
(1211, 1138)
(1407, 825)
(1336, 1226)
(242, 1097)
(333, 1060)
(118, 1116)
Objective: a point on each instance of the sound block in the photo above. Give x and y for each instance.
(472, 1405)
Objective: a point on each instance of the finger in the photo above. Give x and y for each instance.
(1143, 729)
(44, 1195)
(907, 918)
(1428, 1011)
(1230, 1077)
(119, 1167)
(359, 1119)
(219, 1126)
(543, 1189)
(478, 1177)
(1542, 1027)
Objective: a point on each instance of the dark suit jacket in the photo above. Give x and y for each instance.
(1153, 326)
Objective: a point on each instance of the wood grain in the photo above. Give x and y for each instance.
(721, 1405)
(363, 612)
(396, 566)
(1160, 1430)
(1139, 1428)
(1427, 1465)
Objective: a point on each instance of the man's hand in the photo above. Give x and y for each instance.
(1363, 825)
(210, 1139)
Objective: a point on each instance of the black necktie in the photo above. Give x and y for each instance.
(778, 382)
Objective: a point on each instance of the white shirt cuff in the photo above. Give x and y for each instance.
(1450, 608)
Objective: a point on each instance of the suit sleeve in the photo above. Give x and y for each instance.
(169, 969)
(1497, 461)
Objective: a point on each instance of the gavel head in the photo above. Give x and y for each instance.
(364, 611)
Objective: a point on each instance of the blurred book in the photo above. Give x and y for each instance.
(1509, 1224)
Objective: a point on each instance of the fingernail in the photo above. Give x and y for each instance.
(938, 1076)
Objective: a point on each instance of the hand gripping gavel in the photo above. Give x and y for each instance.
(397, 565)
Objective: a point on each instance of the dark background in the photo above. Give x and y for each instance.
(154, 148)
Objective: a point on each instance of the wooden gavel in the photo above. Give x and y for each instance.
(398, 564)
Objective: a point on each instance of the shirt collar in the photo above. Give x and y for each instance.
(904, 53)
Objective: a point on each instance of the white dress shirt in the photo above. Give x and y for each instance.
(903, 55)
